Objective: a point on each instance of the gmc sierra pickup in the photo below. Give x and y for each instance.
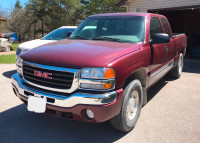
(103, 70)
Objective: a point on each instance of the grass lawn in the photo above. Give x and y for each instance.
(15, 45)
(7, 59)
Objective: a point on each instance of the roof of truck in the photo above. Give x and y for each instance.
(127, 14)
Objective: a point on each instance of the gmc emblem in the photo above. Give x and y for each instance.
(43, 74)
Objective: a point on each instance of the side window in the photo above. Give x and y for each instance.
(155, 27)
(166, 26)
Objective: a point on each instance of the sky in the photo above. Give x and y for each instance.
(10, 3)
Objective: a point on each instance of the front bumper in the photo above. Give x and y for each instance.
(105, 105)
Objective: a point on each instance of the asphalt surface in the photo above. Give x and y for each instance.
(172, 115)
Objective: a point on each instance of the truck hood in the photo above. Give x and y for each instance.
(78, 53)
(33, 44)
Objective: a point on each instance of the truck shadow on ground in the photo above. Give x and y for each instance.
(151, 92)
(9, 74)
(17, 125)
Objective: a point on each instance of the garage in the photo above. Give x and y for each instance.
(183, 15)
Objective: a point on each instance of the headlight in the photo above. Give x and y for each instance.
(97, 73)
(19, 65)
(97, 78)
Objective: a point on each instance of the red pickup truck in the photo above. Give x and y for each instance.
(103, 70)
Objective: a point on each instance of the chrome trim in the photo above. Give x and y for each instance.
(162, 68)
(96, 81)
(74, 86)
(61, 101)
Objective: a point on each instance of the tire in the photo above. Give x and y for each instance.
(131, 107)
(177, 71)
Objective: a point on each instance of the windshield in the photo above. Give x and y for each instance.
(112, 28)
(58, 34)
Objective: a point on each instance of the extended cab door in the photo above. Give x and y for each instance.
(160, 53)
(169, 47)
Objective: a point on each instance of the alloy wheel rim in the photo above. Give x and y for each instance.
(133, 105)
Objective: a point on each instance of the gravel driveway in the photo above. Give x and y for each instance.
(172, 115)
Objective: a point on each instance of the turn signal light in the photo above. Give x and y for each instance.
(109, 73)
(107, 86)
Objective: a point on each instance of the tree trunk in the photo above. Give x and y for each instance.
(42, 26)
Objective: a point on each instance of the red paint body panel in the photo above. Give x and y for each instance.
(78, 54)
(128, 64)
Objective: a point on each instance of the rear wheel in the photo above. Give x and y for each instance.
(131, 107)
(177, 71)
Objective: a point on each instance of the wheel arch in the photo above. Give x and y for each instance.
(141, 76)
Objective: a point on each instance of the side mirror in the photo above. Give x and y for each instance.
(160, 38)
(68, 34)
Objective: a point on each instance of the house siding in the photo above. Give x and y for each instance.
(144, 5)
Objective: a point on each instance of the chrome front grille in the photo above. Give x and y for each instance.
(62, 78)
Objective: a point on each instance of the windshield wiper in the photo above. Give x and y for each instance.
(109, 39)
(79, 37)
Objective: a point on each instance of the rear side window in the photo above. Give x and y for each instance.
(166, 26)
(155, 27)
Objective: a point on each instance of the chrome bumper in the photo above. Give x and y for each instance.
(62, 101)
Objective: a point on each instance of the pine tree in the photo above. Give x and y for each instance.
(18, 5)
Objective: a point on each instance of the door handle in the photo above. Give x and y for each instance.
(166, 48)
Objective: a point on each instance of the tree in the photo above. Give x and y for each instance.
(20, 21)
(74, 12)
(42, 16)
(56, 13)
(39, 9)
(4, 24)
(18, 5)
(101, 6)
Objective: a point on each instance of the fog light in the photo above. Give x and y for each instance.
(91, 86)
(90, 114)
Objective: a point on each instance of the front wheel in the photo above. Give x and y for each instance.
(131, 107)
(177, 71)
